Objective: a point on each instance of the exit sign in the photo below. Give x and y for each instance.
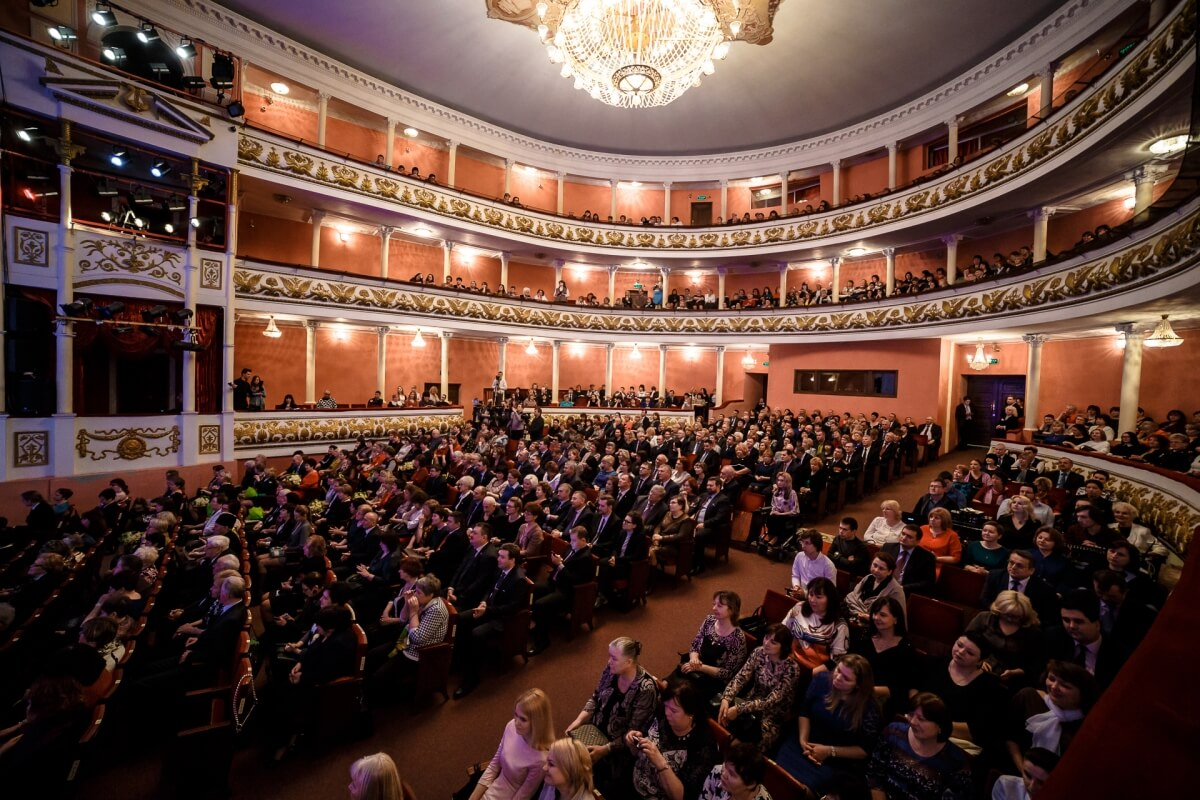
(766, 363)
(994, 361)
(701, 197)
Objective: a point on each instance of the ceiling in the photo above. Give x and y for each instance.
(831, 64)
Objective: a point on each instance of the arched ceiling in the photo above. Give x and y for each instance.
(832, 63)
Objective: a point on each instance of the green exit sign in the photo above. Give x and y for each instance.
(994, 361)
(701, 197)
(766, 363)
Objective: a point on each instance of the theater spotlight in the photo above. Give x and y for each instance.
(159, 168)
(168, 227)
(104, 188)
(185, 49)
(118, 157)
(111, 310)
(193, 83)
(221, 75)
(141, 197)
(235, 109)
(103, 15)
(113, 54)
(175, 203)
(182, 315)
(190, 335)
(78, 308)
(62, 34)
(27, 134)
(147, 33)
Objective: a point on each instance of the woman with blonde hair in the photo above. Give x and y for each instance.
(515, 772)
(1013, 631)
(885, 529)
(375, 777)
(568, 771)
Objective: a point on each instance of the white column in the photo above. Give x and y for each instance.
(444, 369)
(662, 370)
(504, 268)
(1046, 92)
(1041, 225)
(666, 284)
(314, 258)
(892, 149)
(558, 272)
(310, 361)
(1131, 377)
(561, 182)
(381, 360)
(1143, 189)
(890, 254)
(503, 353)
(951, 243)
(64, 377)
(190, 289)
(447, 246)
(389, 155)
(556, 345)
(612, 289)
(451, 167)
(721, 271)
(322, 117)
(1033, 377)
(230, 319)
(508, 175)
(666, 202)
(608, 364)
(385, 241)
(724, 200)
(783, 192)
(783, 271)
(951, 140)
(719, 392)
(612, 184)
(836, 263)
(837, 183)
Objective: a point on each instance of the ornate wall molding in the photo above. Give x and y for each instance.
(1033, 151)
(1060, 32)
(131, 443)
(256, 431)
(211, 273)
(31, 448)
(210, 440)
(130, 257)
(1158, 254)
(32, 247)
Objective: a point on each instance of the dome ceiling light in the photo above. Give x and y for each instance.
(639, 53)
(1169, 145)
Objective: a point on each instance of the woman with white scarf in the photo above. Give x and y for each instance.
(1051, 717)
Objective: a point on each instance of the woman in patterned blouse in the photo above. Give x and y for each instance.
(769, 679)
(718, 649)
(915, 760)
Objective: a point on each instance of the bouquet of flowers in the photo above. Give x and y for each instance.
(316, 508)
(290, 480)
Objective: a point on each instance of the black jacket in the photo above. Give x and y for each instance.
(920, 573)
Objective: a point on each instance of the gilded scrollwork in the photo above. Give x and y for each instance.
(133, 257)
(31, 448)
(300, 430)
(131, 444)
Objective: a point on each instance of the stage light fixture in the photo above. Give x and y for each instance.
(104, 188)
(118, 157)
(62, 34)
(114, 54)
(182, 315)
(195, 222)
(235, 109)
(160, 70)
(159, 168)
(111, 310)
(78, 308)
(141, 197)
(185, 49)
(27, 134)
(175, 203)
(168, 227)
(193, 83)
(221, 74)
(189, 343)
(147, 33)
(107, 216)
(103, 15)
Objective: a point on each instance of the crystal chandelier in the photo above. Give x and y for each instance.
(980, 361)
(638, 53)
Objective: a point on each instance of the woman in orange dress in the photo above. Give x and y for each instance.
(940, 539)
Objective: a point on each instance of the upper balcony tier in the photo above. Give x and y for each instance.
(1094, 140)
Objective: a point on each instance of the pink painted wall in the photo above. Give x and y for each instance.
(473, 364)
(535, 276)
(537, 190)
(474, 266)
(581, 197)
(352, 137)
(359, 254)
(737, 202)
(279, 362)
(472, 174)
(628, 371)
(428, 158)
(407, 257)
(407, 366)
(582, 281)
(274, 239)
(687, 371)
(580, 364)
(915, 360)
(346, 363)
(636, 202)
(868, 177)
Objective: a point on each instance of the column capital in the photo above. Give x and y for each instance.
(1041, 212)
(316, 216)
(612, 269)
(1143, 174)
(889, 252)
(1049, 69)
(451, 144)
(447, 245)
(503, 340)
(612, 183)
(1126, 328)
(951, 239)
(610, 346)
(508, 162)
(783, 266)
(836, 163)
(504, 255)
(667, 184)
(391, 123)
(383, 330)
(445, 335)
(720, 348)
(893, 147)
(561, 175)
(953, 122)
(312, 324)
(722, 271)
(723, 183)
(1035, 339)
(557, 343)
(836, 261)
(386, 231)
(558, 263)
(323, 97)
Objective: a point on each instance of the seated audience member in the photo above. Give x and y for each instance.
(375, 777)
(1122, 618)
(817, 625)
(916, 568)
(885, 529)
(555, 596)
(1081, 640)
(423, 619)
(676, 527)
(740, 776)
(884, 643)
(1018, 575)
(1050, 715)
(880, 582)
(987, 553)
(840, 720)
(1123, 558)
(568, 771)
(1019, 525)
(1050, 560)
(676, 753)
(44, 575)
(1035, 771)
(810, 563)
(41, 743)
(758, 700)
(1124, 516)
(936, 497)
(718, 649)
(518, 767)
(1014, 635)
(916, 760)
(973, 695)
(940, 539)
(783, 513)
(476, 626)
(848, 552)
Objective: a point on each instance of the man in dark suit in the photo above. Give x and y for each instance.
(41, 520)
(644, 479)
(652, 507)
(1122, 617)
(1018, 576)
(580, 513)
(1080, 638)
(476, 571)
(933, 437)
(509, 593)
(1065, 477)
(537, 426)
(608, 526)
(916, 568)
(964, 422)
(448, 543)
(558, 593)
(436, 485)
(624, 501)
(714, 521)
(633, 545)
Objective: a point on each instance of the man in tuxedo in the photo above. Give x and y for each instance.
(1081, 640)
(714, 521)
(1018, 576)
(477, 570)
(964, 422)
(558, 593)
(509, 593)
(608, 527)
(916, 568)
(652, 507)
(933, 438)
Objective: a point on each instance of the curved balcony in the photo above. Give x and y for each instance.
(1144, 81)
(1155, 262)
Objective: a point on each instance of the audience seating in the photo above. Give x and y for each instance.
(338, 703)
(433, 668)
(933, 625)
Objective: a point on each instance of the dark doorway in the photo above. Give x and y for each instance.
(754, 388)
(988, 393)
(701, 214)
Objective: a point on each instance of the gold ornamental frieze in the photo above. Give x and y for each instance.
(132, 257)
(127, 444)
(1098, 105)
(306, 430)
(1159, 255)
